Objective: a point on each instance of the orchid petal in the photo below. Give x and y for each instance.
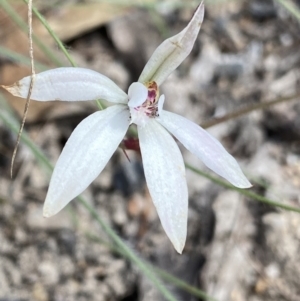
(171, 53)
(137, 94)
(205, 147)
(69, 84)
(165, 175)
(85, 155)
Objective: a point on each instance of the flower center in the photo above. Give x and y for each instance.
(150, 107)
(144, 102)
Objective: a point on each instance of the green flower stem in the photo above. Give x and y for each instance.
(53, 35)
(244, 192)
(16, 18)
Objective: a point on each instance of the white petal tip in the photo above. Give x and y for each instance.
(178, 244)
(47, 212)
(179, 249)
(242, 183)
(245, 185)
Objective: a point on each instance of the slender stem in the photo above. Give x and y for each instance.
(53, 35)
(32, 79)
(245, 192)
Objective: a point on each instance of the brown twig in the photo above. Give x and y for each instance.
(30, 86)
(247, 109)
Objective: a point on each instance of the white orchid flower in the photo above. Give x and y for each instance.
(97, 137)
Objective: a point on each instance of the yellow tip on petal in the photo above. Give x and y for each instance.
(47, 212)
(13, 89)
(178, 245)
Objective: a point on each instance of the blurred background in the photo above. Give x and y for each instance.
(246, 56)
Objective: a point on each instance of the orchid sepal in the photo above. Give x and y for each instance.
(173, 51)
(207, 148)
(165, 175)
(69, 84)
(84, 156)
